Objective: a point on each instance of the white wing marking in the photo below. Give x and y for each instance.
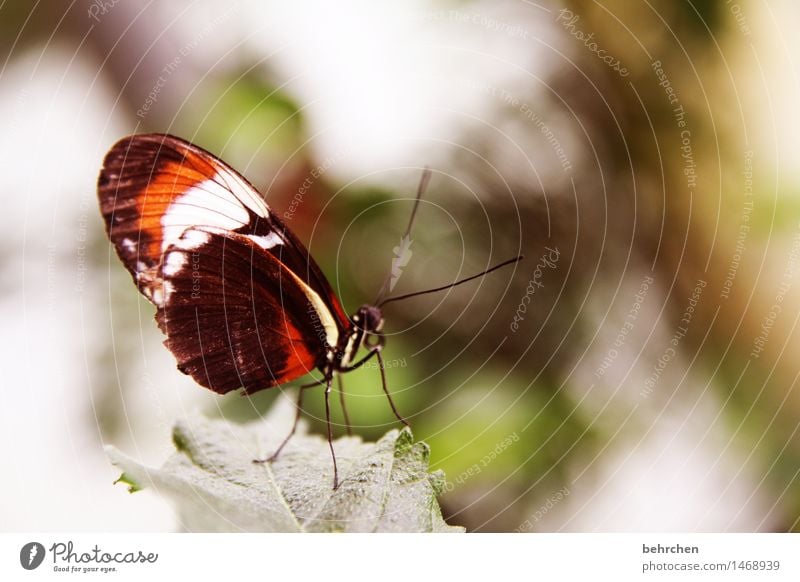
(206, 204)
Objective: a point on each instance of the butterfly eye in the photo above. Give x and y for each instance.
(372, 318)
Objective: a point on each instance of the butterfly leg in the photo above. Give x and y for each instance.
(385, 389)
(297, 414)
(330, 430)
(344, 408)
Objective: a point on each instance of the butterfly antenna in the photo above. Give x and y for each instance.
(451, 285)
(423, 185)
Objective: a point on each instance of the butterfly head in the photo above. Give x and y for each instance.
(366, 332)
(369, 319)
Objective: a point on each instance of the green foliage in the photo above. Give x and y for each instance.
(212, 480)
(265, 122)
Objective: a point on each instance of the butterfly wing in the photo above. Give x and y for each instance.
(235, 316)
(240, 299)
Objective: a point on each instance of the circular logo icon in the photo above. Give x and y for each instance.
(31, 555)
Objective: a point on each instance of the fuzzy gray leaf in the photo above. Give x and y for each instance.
(385, 486)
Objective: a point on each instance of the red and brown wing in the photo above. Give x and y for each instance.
(153, 187)
(234, 316)
(164, 199)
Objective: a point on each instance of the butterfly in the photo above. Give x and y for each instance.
(242, 303)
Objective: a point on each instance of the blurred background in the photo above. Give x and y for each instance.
(638, 371)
